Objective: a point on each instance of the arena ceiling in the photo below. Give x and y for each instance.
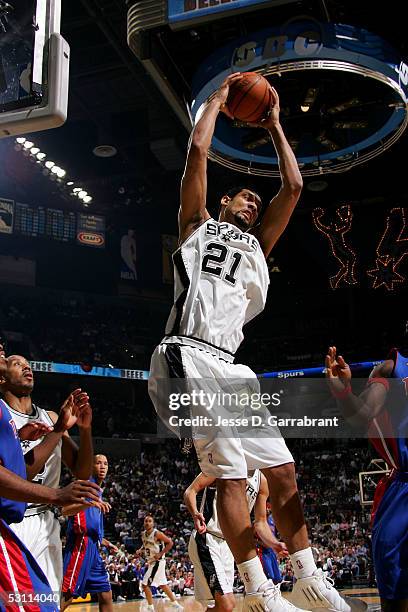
(113, 101)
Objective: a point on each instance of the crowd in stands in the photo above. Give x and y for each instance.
(154, 483)
(100, 330)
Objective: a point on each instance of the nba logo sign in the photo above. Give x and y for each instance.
(210, 458)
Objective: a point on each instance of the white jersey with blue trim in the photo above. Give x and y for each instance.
(208, 506)
(220, 283)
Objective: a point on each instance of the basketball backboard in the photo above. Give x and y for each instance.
(34, 67)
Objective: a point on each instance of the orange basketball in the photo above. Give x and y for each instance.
(249, 98)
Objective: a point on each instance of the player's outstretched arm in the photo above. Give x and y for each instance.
(190, 499)
(261, 526)
(16, 488)
(193, 194)
(79, 459)
(281, 207)
(358, 410)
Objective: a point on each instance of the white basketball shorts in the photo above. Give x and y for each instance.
(41, 533)
(155, 574)
(213, 566)
(178, 369)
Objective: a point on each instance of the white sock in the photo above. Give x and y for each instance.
(252, 574)
(303, 563)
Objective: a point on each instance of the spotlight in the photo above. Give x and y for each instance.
(55, 169)
(70, 183)
(61, 173)
(82, 194)
(309, 100)
(34, 150)
(28, 144)
(76, 190)
(87, 199)
(20, 140)
(41, 156)
(49, 164)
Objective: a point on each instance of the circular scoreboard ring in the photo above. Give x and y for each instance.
(343, 97)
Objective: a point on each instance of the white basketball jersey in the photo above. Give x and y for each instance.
(151, 545)
(220, 283)
(208, 505)
(51, 472)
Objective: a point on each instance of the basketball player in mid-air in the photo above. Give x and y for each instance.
(84, 569)
(209, 552)
(155, 544)
(40, 529)
(383, 408)
(221, 283)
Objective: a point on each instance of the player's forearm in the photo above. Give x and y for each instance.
(203, 131)
(360, 410)
(73, 509)
(16, 488)
(168, 547)
(288, 166)
(84, 458)
(37, 457)
(265, 534)
(190, 501)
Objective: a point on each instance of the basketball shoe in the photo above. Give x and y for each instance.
(317, 593)
(268, 598)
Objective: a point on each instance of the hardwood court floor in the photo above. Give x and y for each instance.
(369, 595)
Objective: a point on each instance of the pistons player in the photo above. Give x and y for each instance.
(383, 407)
(40, 529)
(23, 585)
(155, 545)
(267, 554)
(84, 569)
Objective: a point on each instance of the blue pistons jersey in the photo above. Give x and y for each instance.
(390, 525)
(11, 457)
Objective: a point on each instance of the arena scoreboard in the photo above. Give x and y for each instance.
(35, 221)
(189, 12)
(45, 222)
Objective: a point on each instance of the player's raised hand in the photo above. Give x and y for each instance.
(78, 492)
(34, 431)
(337, 371)
(222, 92)
(84, 414)
(272, 117)
(199, 522)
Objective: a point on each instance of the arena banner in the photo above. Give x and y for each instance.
(82, 370)
(183, 13)
(91, 230)
(128, 256)
(6, 216)
(169, 245)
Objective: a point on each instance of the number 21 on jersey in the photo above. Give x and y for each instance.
(221, 261)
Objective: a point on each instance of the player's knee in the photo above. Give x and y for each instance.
(227, 487)
(283, 476)
(105, 597)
